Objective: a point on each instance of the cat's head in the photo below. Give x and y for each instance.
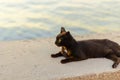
(63, 37)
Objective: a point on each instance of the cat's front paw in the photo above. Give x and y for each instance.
(64, 61)
(53, 55)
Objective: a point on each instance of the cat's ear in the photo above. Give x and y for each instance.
(63, 29)
(68, 33)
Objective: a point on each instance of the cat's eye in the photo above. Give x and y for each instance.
(59, 40)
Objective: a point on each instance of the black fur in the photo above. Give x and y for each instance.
(74, 50)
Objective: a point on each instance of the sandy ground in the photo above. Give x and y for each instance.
(102, 76)
(30, 60)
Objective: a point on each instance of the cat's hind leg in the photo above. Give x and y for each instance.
(114, 58)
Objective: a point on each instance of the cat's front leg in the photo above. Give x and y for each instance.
(71, 59)
(56, 55)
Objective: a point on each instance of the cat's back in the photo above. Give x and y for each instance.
(92, 42)
(97, 44)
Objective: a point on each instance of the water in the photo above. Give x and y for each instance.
(28, 19)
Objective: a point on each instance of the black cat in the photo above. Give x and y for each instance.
(74, 50)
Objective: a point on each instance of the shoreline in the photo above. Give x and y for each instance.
(75, 36)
